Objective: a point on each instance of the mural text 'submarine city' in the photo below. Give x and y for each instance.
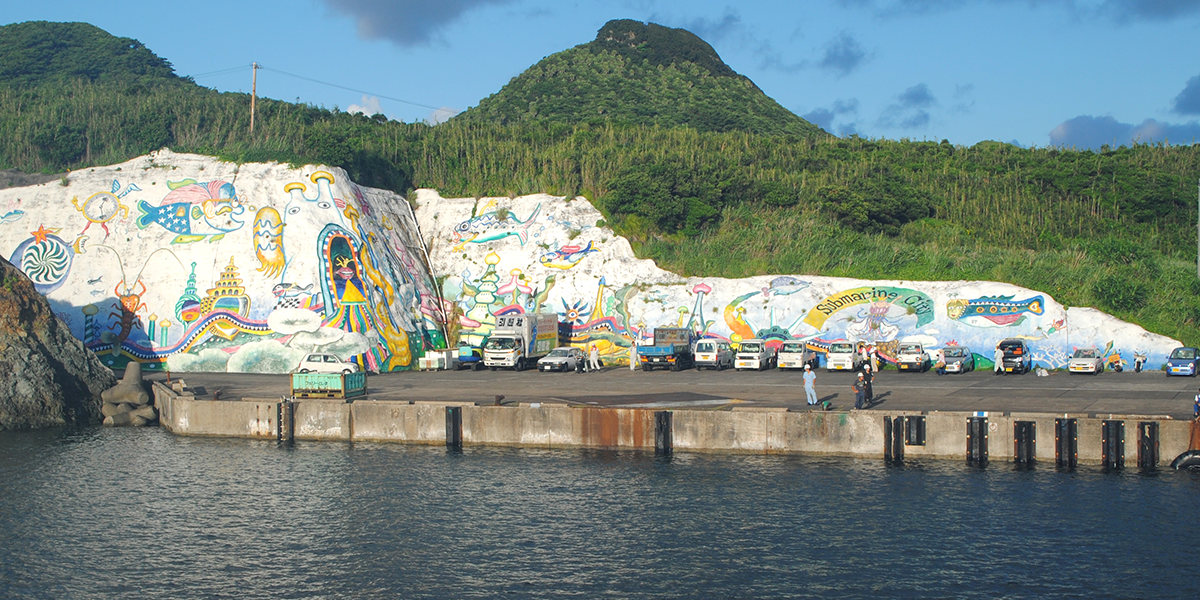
(502, 256)
(193, 264)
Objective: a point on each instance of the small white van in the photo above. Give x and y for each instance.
(713, 354)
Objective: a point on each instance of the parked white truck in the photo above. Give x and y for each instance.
(519, 340)
(754, 354)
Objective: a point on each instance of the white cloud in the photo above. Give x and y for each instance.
(441, 115)
(370, 106)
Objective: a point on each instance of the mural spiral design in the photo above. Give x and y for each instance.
(46, 263)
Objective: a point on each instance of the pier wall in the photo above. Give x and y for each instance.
(742, 430)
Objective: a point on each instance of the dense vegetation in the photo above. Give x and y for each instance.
(1113, 229)
(640, 74)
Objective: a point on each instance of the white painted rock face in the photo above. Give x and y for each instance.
(195, 264)
(501, 255)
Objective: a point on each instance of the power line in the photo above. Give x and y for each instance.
(221, 72)
(342, 87)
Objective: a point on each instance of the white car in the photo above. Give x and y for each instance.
(325, 363)
(1086, 360)
(912, 357)
(563, 358)
(713, 354)
(794, 355)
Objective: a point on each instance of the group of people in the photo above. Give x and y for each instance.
(864, 394)
(592, 363)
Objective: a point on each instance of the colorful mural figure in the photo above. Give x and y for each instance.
(102, 207)
(195, 211)
(911, 301)
(228, 295)
(993, 311)
(490, 227)
(12, 216)
(45, 258)
(187, 308)
(268, 241)
(567, 257)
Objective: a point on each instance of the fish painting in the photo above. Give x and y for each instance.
(567, 257)
(195, 211)
(11, 216)
(268, 241)
(489, 227)
(994, 311)
(784, 286)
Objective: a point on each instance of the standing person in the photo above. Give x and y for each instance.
(594, 358)
(1196, 407)
(874, 358)
(860, 389)
(998, 358)
(633, 355)
(940, 365)
(868, 377)
(810, 381)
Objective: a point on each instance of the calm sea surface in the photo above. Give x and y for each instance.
(125, 513)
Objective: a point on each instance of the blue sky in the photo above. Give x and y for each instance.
(1035, 72)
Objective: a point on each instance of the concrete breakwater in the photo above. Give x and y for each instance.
(1066, 439)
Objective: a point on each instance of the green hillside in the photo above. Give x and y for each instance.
(643, 74)
(1112, 229)
(40, 52)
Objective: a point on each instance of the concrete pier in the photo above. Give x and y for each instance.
(771, 430)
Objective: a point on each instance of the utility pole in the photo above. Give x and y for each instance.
(253, 92)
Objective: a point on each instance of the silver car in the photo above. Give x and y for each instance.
(563, 358)
(1086, 360)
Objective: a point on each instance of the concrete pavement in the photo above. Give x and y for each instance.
(1147, 393)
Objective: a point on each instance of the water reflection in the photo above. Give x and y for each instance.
(121, 512)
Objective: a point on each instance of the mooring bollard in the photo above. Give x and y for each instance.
(454, 437)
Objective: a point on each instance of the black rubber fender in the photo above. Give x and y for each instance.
(1187, 460)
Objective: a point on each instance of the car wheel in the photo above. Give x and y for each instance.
(346, 371)
(304, 370)
(492, 368)
(645, 368)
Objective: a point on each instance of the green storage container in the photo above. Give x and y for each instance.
(329, 385)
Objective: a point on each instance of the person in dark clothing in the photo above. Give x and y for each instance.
(868, 378)
(860, 391)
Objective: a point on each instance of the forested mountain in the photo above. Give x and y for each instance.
(642, 74)
(38, 52)
(1113, 229)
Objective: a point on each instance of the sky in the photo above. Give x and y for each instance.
(1037, 73)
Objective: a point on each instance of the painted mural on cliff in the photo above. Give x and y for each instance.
(500, 256)
(188, 263)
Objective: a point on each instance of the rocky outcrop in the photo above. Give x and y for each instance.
(49, 378)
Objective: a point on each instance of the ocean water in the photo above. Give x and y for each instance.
(128, 513)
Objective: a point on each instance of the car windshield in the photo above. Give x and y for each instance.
(1185, 353)
(910, 349)
(954, 352)
(1085, 353)
(560, 352)
(501, 344)
(1012, 348)
(842, 348)
(706, 347)
(793, 347)
(751, 347)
